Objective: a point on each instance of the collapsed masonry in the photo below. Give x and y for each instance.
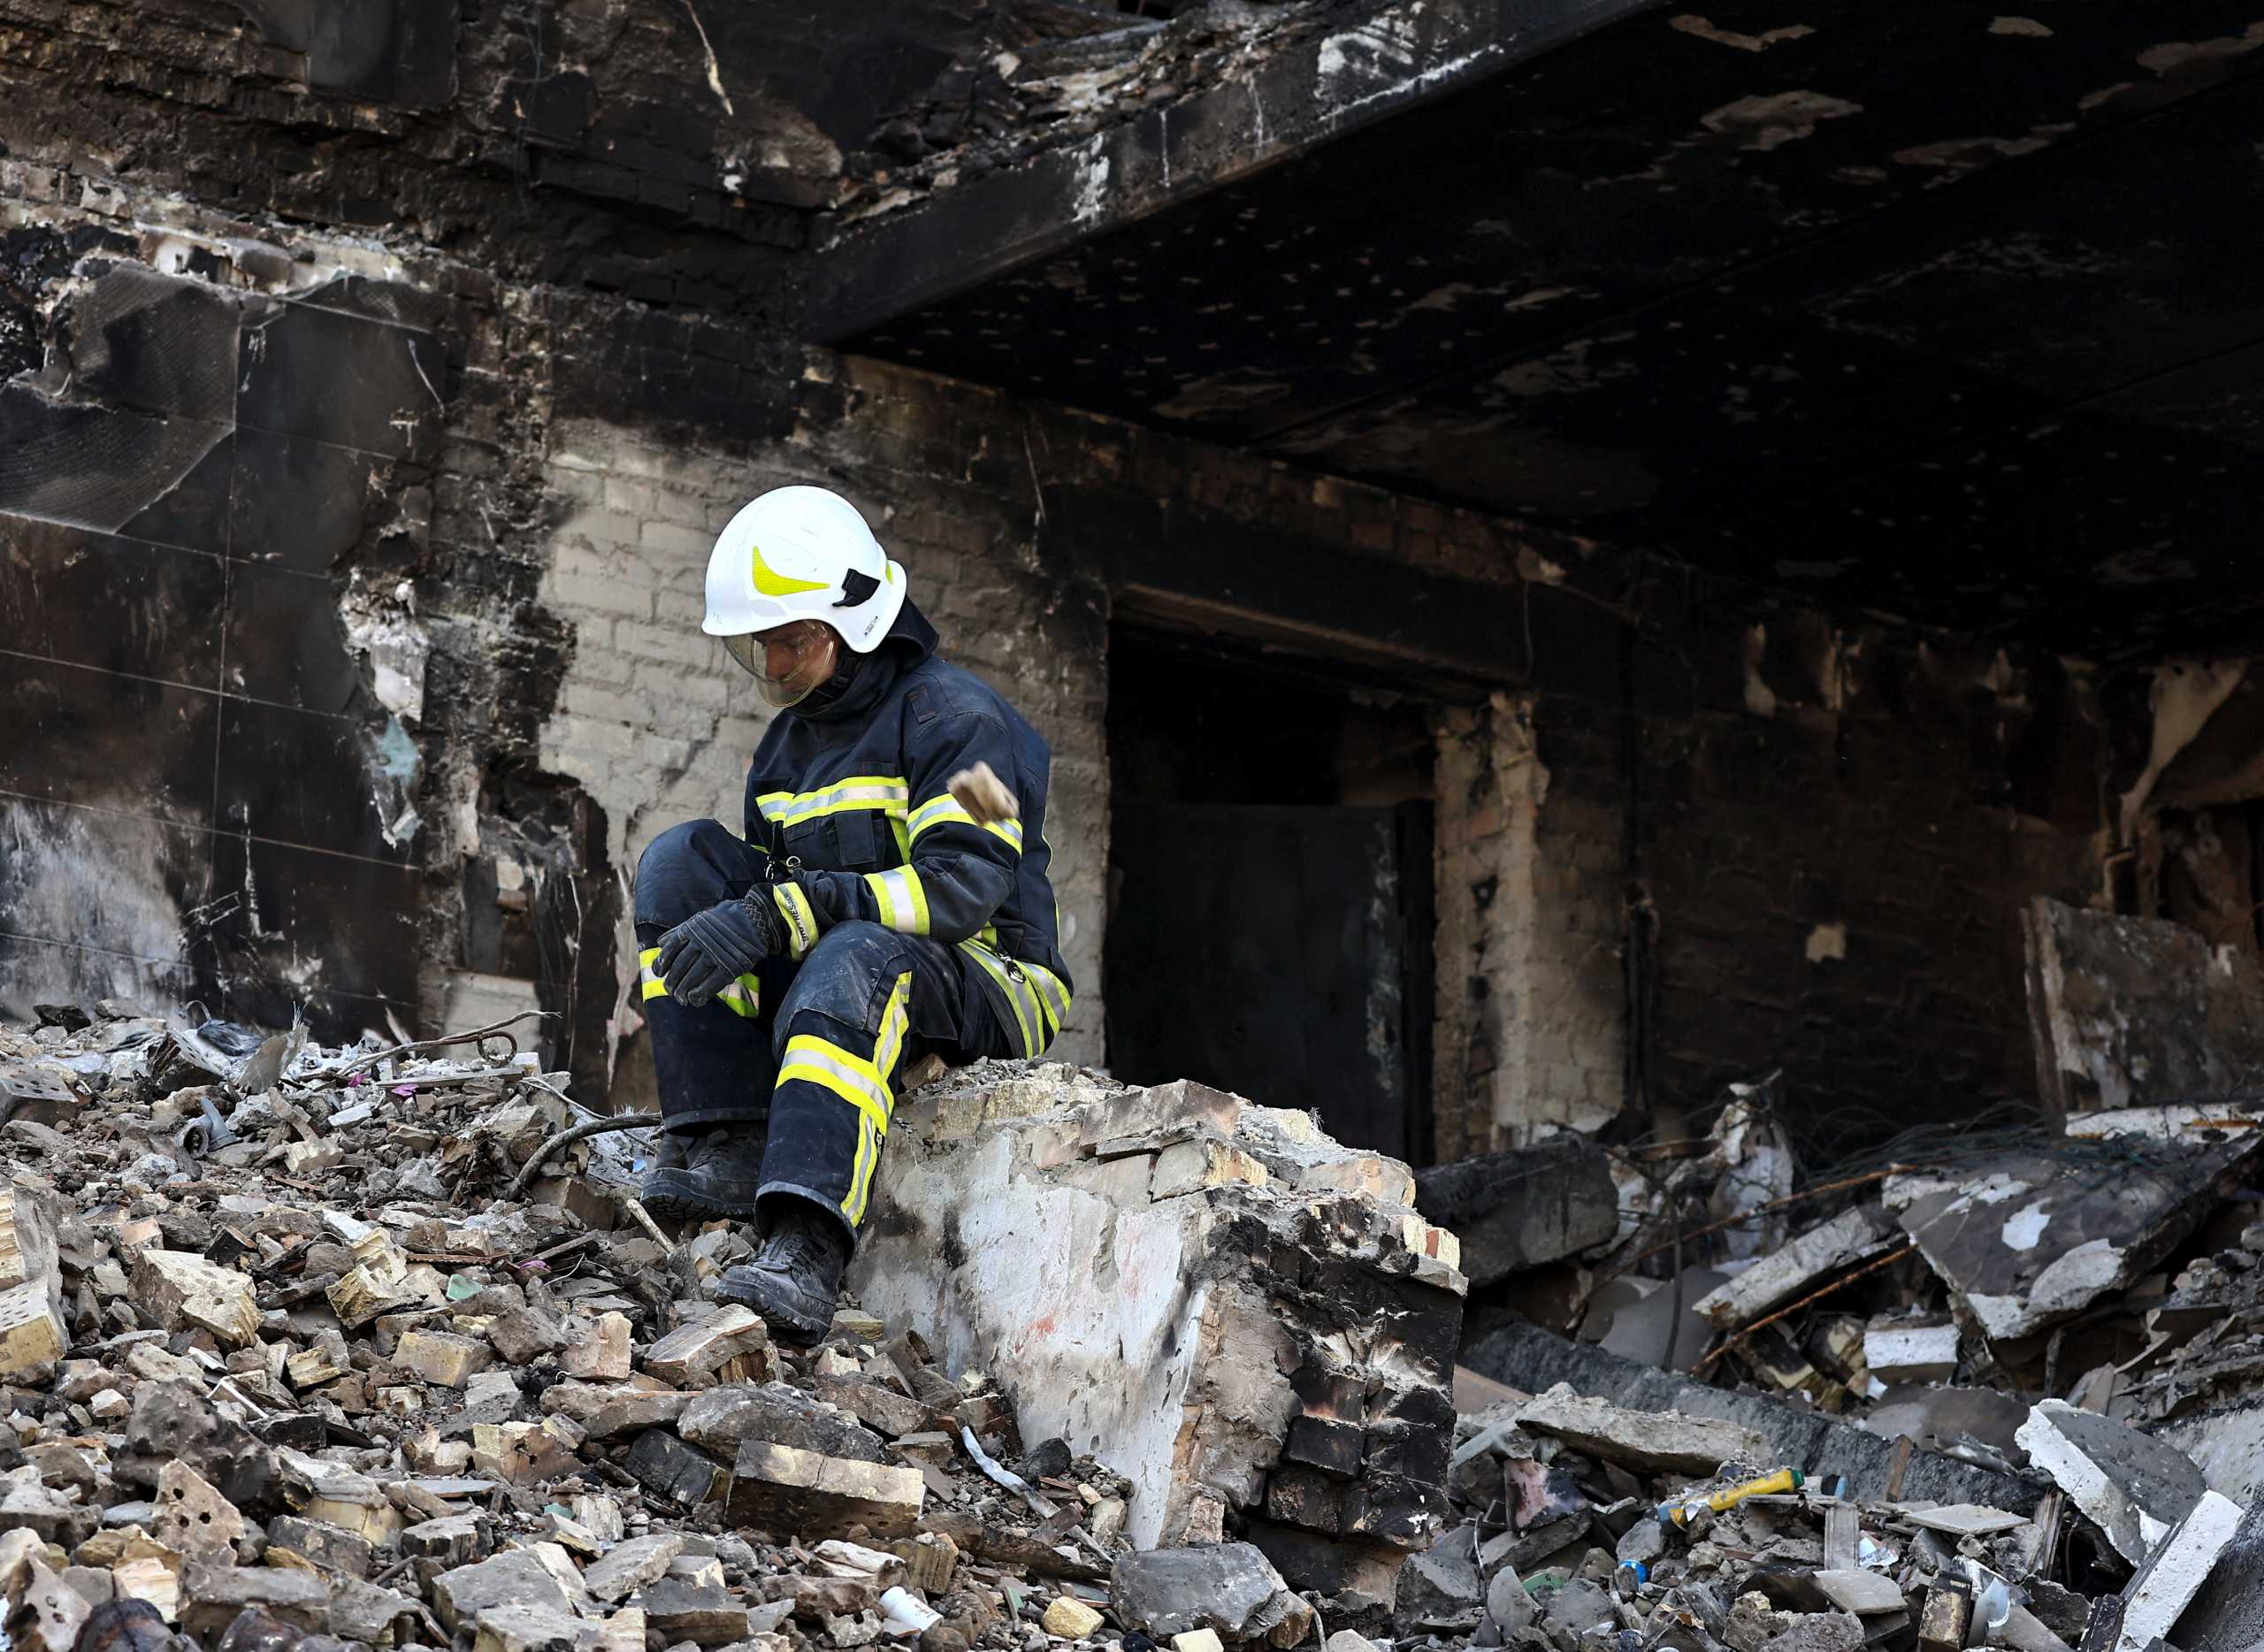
(1998, 1384)
(328, 1350)
(1287, 1322)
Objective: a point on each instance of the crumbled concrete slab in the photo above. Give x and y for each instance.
(1645, 1441)
(1527, 1356)
(2135, 1488)
(2158, 1593)
(1852, 1237)
(2024, 1243)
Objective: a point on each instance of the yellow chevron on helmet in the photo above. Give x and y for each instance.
(802, 554)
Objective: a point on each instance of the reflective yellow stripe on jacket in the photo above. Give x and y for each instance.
(902, 899)
(945, 811)
(801, 918)
(888, 794)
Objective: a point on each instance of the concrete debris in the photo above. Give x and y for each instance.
(1229, 1588)
(2162, 1590)
(2124, 1008)
(2135, 1488)
(1854, 1237)
(1911, 1353)
(1294, 1331)
(1952, 1516)
(1521, 1210)
(31, 1330)
(2023, 1245)
(1642, 1441)
(355, 1399)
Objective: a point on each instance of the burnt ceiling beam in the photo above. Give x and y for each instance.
(1395, 59)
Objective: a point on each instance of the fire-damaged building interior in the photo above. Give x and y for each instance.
(1646, 627)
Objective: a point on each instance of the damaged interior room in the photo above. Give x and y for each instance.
(1131, 826)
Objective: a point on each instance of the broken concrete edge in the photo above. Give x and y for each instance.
(1293, 1324)
(2021, 1246)
(1531, 1358)
(2158, 1593)
(2134, 1488)
(1524, 1208)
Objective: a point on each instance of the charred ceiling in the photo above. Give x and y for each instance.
(1921, 308)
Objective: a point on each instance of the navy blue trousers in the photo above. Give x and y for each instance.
(817, 1045)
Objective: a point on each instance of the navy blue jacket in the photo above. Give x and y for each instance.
(849, 800)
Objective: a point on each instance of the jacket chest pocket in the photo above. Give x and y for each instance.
(851, 840)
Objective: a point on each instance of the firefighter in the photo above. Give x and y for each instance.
(865, 919)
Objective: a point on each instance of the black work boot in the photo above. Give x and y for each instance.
(717, 1176)
(795, 1279)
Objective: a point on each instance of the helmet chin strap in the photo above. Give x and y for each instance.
(843, 678)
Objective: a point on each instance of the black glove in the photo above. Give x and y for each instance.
(703, 955)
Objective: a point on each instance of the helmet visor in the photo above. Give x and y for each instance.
(788, 663)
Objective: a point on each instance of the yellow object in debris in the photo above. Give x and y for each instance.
(1730, 1497)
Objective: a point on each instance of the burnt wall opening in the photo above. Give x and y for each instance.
(1271, 908)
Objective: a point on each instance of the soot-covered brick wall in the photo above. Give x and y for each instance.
(1838, 839)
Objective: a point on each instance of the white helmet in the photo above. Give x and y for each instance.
(802, 554)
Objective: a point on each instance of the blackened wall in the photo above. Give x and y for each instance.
(200, 794)
(312, 655)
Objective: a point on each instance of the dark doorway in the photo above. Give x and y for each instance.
(1270, 909)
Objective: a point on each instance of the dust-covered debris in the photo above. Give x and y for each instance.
(290, 1366)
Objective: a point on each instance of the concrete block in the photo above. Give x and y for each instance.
(181, 1290)
(2159, 1591)
(664, 1465)
(1861, 1592)
(526, 1628)
(628, 1567)
(780, 1490)
(1229, 1589)
(724, 1419)
(1913, 1353)
(1200, 1165)
(192, 1516)
(597, 1350)
(1069, 1618)
(442, 1358)
(213, 1593)
(1183, 1105)
(32, 1329)
(516, 1578)
(2134, 1488)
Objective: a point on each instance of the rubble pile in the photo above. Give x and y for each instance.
(308, 1350)
(2013, 1371)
